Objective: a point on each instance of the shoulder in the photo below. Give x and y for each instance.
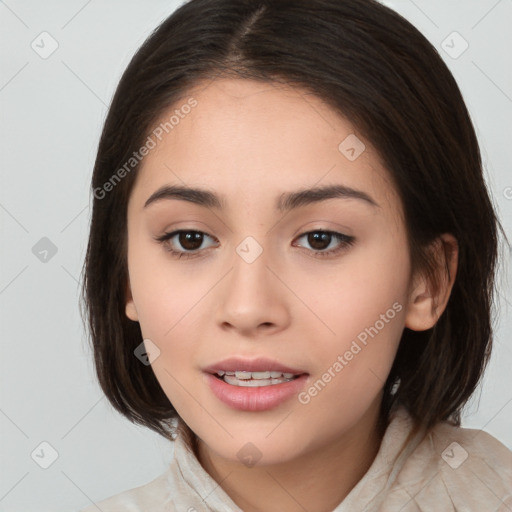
(455, 468)
(152, 496)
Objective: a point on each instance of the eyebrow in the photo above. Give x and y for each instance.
(287, 201)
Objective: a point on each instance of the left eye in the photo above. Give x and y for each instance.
(321, 240)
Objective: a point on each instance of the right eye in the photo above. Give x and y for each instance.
(190, 240)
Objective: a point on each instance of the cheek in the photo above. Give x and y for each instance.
(167, 295)
(168, 304)
(351, 296)
(362, 308)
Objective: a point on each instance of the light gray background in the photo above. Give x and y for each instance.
(51, 116)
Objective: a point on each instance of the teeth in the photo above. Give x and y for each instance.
(253, 383)
(243, 375)
(258, 375)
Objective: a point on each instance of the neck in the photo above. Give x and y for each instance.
(319, 479)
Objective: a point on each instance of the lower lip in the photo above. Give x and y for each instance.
(255, 398)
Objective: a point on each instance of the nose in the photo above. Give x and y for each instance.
(252, 299)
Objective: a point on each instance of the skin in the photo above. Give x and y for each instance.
(251, 142)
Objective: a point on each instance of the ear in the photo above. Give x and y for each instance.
(131, 311)
(426, 303)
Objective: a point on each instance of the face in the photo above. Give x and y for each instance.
(316, 283)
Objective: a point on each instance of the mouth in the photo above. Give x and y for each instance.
(255, 389)
(255, 379)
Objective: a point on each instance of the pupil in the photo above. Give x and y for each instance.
(189, 240)
(316, 239)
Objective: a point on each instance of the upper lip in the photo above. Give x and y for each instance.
(259, 364)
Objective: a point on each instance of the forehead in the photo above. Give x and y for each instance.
(254, 140)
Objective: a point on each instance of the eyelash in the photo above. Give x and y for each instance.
(345, 242)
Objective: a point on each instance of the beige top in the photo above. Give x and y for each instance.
(451, 469)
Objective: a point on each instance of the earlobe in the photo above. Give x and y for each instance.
(131, 311)
(426, 301)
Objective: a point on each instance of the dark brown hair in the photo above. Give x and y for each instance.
(371, 66)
